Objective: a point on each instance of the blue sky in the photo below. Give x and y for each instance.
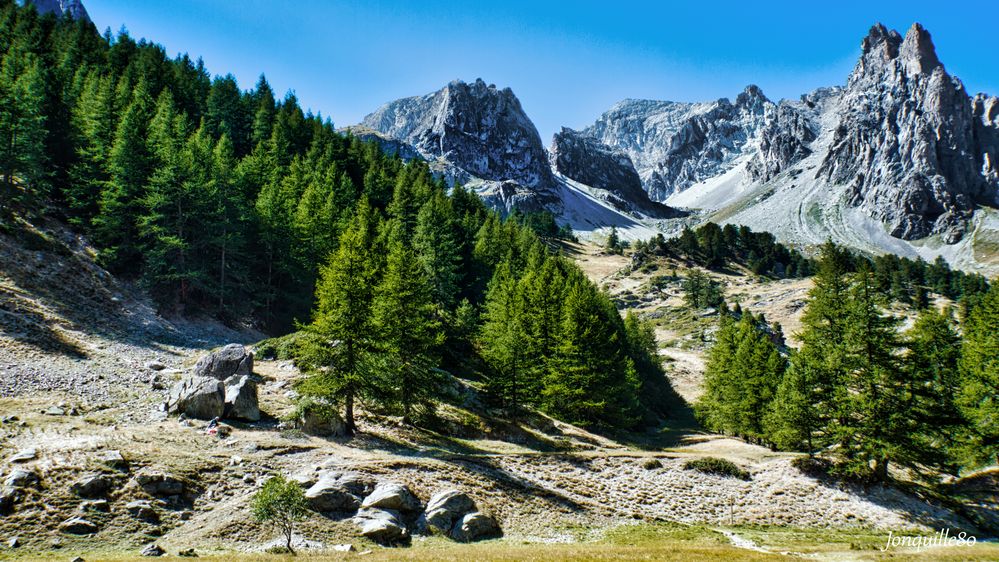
(567, 61)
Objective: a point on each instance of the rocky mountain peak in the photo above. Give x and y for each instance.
(752, 99)
(60, 8)
(471, 132)
(878, 49)
(918, 52)
(906, 140)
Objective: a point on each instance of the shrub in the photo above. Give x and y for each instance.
(281, 349)
(652, 464)
(718, 467)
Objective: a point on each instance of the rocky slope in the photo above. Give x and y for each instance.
(589, 162)
(61, 7)
(675, 145)
(478, 135)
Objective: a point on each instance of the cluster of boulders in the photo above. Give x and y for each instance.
(222, 386)
(389, 513)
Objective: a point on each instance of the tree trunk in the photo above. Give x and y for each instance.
(222, 275)
(348, 414)
(287, 536)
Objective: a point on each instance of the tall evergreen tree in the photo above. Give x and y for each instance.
(130, 166)
(22, 128)
(504, 339)
(979, 368)
(409, 334)
(342, 332)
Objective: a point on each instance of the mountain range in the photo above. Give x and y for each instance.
(899, 159)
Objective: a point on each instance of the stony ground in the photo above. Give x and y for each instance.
(78, 385)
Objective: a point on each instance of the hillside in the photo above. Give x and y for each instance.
(550, 485)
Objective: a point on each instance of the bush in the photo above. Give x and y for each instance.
(718, 467)
(281, 349)
(652, 464)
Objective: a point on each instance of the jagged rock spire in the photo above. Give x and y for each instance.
(917, 51)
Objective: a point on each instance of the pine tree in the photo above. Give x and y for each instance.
(22, 128)
(436, 242)
(812, 394)
(409, 334)
(342, 332)
(872, 426)
(93, 125)
(933, 348)
(164, 220)
(792, 421)
(504, 339)
(979, 368)
(115, 224)
(591, 380)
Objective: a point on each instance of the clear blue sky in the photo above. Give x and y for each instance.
(567, 61)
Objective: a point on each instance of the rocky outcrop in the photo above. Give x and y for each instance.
(475, 526)
(389, 145)
(586, 160)
(159, 484)
(446, 508)
(336, 492)
(675, 145)
(391, 495)
(223, 385)
(474, 133)
(383, 526)
(78, 526)
(241, 402)
(453, 513)
(784, 140)
(92, 486)
(196, 397)
(73, 8)
(231, 360)
(916, 151)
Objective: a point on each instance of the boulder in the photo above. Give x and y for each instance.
(152, 549)
(8, 497)
(155, 366)
(475, 526)
(383, 526)
(446, 508)
(20, 478)
(24, 455)
(78, 526)
(143, 510)
(159, 484)
(95, 506)
(231, 360)
(322, 420)
(14, 542)
(198, 397)
(393, 496)
(333, 492)
(241, 398)
(92, 486)
(113, 459)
